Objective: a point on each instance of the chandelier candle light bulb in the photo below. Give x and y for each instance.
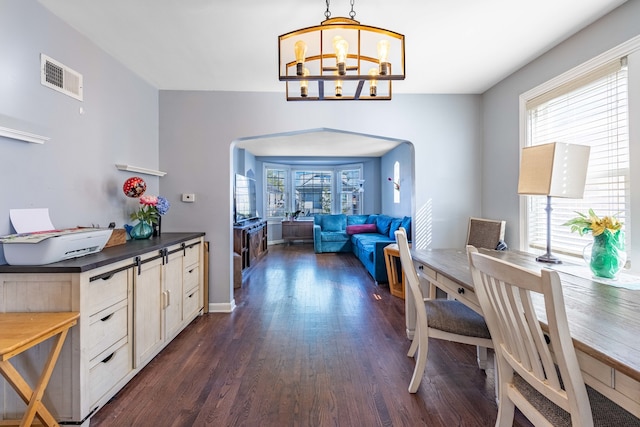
(373, 83)
(300, 49)
(383, 57)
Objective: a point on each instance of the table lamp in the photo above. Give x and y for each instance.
(553, 170)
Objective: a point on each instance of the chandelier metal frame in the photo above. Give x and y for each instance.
(344, 53)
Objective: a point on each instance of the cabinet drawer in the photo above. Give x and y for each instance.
(191, 303)
(425, 271)
(629, 387)
(595, 368)
(192, 254)
(108, 369)
(191, 277)
(107, 291)
(107, 327)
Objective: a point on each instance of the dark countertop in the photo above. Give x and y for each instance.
(107, 256)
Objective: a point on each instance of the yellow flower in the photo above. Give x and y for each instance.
(594, 224)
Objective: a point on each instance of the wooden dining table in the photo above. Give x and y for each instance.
(604, 318)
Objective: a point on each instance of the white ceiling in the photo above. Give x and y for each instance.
(452, 46)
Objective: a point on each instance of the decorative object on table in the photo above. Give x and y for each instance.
(292, 216)
(150, 211)
(605, 255)
(343, 54)
(148, 215)
(553, 170)
(134, 187)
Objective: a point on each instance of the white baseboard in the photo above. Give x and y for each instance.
(222, 307)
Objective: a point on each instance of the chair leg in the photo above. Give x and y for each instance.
(414, 346)
(421, 363)
(482, 357)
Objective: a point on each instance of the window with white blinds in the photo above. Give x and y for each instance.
(589, 110)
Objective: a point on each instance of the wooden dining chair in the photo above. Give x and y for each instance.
(485, 233)
(541, 378)
(440, 318)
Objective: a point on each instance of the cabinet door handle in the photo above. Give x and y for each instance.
(107, 277)
(191, 296)
(109, 357)
(168, 294)
(461, 291)
(105, 318)
(421, 267)
(191, 271)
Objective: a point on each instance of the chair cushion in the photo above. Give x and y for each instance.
(604, 411)
(455, 317)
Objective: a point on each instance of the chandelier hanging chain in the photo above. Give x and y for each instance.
(352, 13)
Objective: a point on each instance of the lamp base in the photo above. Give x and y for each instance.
(548, 258)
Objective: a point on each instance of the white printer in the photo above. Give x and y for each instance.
(51, 245)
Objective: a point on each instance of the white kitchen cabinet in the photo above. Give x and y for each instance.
(133, 300)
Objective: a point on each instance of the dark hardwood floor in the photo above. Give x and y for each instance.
(313, 342)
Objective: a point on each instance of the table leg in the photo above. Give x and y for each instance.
(33, 398)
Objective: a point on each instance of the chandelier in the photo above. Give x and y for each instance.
(334, 60)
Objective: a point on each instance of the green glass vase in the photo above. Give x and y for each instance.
(607, 255)
(142, 230)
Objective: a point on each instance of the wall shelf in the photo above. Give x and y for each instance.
(22, 136)
(138, 169)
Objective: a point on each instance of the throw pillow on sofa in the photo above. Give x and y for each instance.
(406, 224)
(395, 224)
(361, 228)
(383, 222)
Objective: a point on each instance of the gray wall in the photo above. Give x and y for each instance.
(74, 173)
(198, 128)
(403, 154)
(501, 117)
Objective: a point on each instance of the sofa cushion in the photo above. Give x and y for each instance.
(356, 219)
(383, 222)
(334, 236)
(371, 219)
(395, 224)
(361, 228)
(334, 223)
(406, 224)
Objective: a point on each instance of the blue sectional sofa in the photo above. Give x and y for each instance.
(364, 235)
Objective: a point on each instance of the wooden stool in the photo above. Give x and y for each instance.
(18, 333)
(391, 259)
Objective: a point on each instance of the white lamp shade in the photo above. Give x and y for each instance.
(555, 169)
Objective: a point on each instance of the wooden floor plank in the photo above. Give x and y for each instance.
(313, 342)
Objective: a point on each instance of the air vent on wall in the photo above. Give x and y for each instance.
(60, 77)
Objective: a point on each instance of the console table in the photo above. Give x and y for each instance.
(603, 319)
(297, 230)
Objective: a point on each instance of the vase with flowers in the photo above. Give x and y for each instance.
(605, 255)
(148, 215)
(150, 211)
